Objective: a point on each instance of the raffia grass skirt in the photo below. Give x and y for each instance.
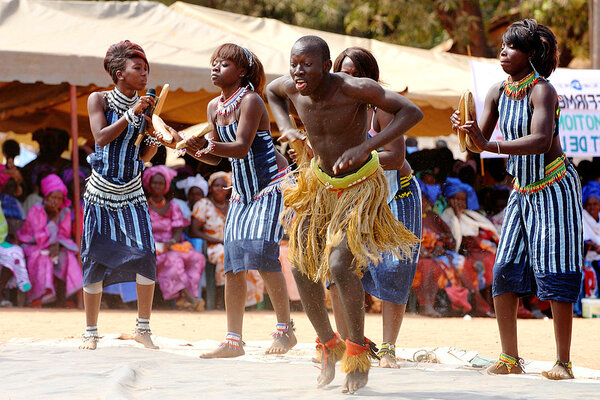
(318, 219)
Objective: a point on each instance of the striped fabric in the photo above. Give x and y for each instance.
(514, 122)
(252, 228)
(117, 239)
(544, 229)
(392, 279)
(254, 172)
(118, 161)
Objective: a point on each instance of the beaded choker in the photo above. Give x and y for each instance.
(226, 107)
(516, 90)
(120, 103)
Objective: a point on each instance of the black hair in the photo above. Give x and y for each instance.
(318, 43)
(118, 54)
(11, 148)
(244, 58)
(363, 60)
(529, 36)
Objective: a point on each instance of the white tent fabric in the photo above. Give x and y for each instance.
(54, 42)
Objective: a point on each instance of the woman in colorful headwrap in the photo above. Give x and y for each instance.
(49, 249)
(541, 246)
(476, 239)
(195, 188)
(178, 265)
(390, 280)
(438, 264)
(13, 269)
(117, 244)
(209, 216)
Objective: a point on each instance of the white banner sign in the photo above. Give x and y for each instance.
(579, 101)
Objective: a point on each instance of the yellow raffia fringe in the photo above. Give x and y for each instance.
(360, 363)
(317, 220)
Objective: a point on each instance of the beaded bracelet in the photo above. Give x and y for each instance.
(210, 146)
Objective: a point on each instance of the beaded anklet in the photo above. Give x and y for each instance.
(387, 349)
(91, 332)
(142, 326)
(566, 365)
(283, 328)
(509, 362)
(232, 341)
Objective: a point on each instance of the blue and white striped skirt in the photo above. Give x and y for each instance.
(117, 241)
(253, 232)
(392, 279)
(541, 244)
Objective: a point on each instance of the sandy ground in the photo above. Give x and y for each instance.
(39, 359)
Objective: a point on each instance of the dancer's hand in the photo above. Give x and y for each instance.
(143, 103)
(193, 144)
(472, 129)
(355, 156)
(290, 134)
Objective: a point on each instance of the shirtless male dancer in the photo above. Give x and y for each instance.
(336, 210)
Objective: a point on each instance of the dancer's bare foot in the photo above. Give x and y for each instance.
(354, 381)
(502, 369)
(327, 368)
(429, 311)
(224, 351)
(387, 361)
(283, 341)
(560, 371)
(89, 343)
(145, 339)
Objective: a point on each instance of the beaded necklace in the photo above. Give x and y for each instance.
(226, 107)
(516, 90)
(120, 103)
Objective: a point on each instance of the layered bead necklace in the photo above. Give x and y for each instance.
(120, 103)
(516, 90)
(226, 107)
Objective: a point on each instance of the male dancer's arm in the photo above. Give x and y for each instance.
(406, 115)
(280, 108)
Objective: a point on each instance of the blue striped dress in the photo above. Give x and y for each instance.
(252, 228)
(117, 239)
(541, 244)
(392, 279)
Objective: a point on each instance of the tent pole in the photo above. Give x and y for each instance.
(75, 159)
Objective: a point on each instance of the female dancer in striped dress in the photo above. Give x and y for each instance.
(391, 280)
(541, 243)
(252, 229)
(117, 244)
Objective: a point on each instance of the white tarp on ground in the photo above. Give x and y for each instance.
(118, 369)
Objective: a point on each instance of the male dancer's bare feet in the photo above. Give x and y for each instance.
(387, 361)
(89, 343)
(283, 343)
(354, 381)
(501, 369)
(327, 368)
(145, 339)
(558, 372)
(224, 351)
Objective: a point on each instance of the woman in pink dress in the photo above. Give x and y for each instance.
(208, 223)
(178, 266)
(50, 252)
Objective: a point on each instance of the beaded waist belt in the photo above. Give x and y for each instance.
(101, 192)
(405, 181)
(554, 172)
(336, 184)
